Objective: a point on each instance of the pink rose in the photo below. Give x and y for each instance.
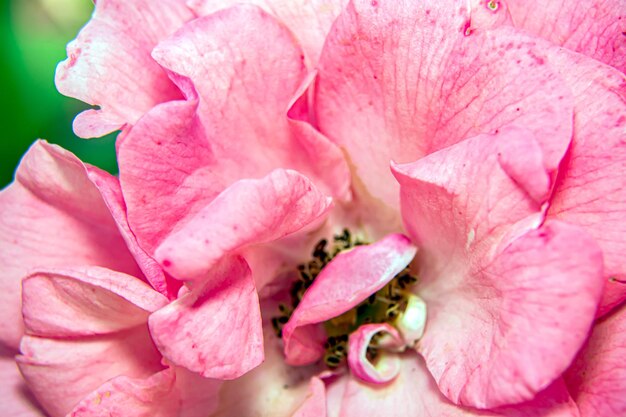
(249, 133)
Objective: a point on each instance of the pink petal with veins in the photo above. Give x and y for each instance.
(508, 304)
(591, 27)
(400, 79)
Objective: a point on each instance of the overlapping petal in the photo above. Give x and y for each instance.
(597, 378)
(109, 64)
(104, 343)
(53, 215)
(591, 191)
(400, 79)
(215, 328)
(284, 202)
(334, 292)
(132, 397)
(111, 192)
(85, 301)
(16, 400)
(242, 72)
(508, 304)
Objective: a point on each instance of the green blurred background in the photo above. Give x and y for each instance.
(34, 35)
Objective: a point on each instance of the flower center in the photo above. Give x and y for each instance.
(394, 304)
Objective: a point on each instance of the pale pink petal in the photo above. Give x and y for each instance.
(591, 191)
(309, 20)
(52, 215)
(415, 393)
(242, 73)
(214, 329)
(111, 192)
(400, 79)
(597, 378)
(85, 301)
(508, 303)
(61, 372)
(132, 397)
(315, 404)
(592, 27)
(387, 366)
(273, 389)
(346, 281)
(16, 400)
(109, 63)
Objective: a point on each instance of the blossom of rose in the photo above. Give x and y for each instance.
(508, 159)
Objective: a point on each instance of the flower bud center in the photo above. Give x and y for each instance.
(394, 304)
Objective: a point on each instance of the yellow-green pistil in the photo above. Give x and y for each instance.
(384, 306)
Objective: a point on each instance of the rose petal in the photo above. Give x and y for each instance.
(108, 336)
(60, 372)
(597, 378)
(591, 191)
(387, 366)
(199, 396)
(415, 393)
(309, 20)
(315, 403)
(111, 192)
(249, 66)
(214, 330)
(272, 389)
(508, 304)
(469, 197)
(181, 155)
(284, 202)
(347, 280)
(109, 63)
(16, 400)
(592, 27)
(85, 301)
(51, 215)
(132, 397)
(399, 79)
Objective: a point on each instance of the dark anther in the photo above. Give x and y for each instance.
(332, 361)
(372, 298)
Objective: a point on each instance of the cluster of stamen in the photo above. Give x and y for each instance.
(384, 306)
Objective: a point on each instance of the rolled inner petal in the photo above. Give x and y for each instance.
(367, 361)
